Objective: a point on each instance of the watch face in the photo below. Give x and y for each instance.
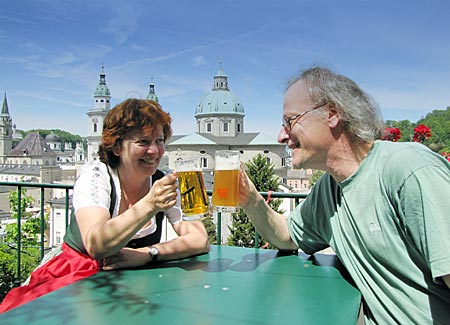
(154, 251)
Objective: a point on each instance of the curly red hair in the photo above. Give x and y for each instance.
(130, 114)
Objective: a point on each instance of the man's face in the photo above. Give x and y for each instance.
(304, 128)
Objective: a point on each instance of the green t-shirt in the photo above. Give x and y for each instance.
(389, 223)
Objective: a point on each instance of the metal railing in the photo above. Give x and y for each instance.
(67, 187)
(42, 186)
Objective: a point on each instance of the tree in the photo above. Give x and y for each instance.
(211, 229)
(260, 172)
(315, 177)
(30, 252)
(405, 127)
(438, 122)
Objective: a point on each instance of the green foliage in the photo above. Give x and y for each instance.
(30, 253)
(29, 259)
(315, 176)
(211, 229)
(405, 127)
(30, 225)
(260, 172)
(63, 135)
(439, 123)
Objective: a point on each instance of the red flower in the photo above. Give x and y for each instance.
(392, 134)
(421, 133)
(446, 155)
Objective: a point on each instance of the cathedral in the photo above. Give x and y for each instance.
(219, 125)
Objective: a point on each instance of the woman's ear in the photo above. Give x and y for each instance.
(116, 150)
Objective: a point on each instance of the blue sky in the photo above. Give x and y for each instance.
(51, 53)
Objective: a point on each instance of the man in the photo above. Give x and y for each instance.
(382, 206)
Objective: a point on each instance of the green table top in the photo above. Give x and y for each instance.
(230, 285)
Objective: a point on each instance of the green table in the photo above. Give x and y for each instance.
(229, 286)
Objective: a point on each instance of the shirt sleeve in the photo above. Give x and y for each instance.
(308, 223)
(92, 188)
(425, 205)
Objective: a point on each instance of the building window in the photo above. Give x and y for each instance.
(202, 152)
(225, 127)
(95, 127)
(58, 237)
(238, 128)
(208, 127)
(204, 162)
(283, 162)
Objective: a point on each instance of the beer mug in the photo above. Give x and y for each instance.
(194, 201)
(225, 196)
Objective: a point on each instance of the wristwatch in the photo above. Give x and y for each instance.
(153, 252)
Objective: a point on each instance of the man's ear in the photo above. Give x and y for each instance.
(334, 116)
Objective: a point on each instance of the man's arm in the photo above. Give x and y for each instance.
(271, 225)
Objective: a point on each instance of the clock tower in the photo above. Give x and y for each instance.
(96, 115)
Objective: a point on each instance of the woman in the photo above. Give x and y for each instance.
(119, 203)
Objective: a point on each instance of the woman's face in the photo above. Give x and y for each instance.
(142, 152)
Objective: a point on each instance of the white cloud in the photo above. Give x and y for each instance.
(199, 60)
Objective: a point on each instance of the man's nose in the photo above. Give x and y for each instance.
(283, 136)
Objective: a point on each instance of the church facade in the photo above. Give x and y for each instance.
(220, 125)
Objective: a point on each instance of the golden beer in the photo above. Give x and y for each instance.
(194, 201)
(225, 196)
(226, 188)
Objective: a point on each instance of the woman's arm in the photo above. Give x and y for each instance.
(192, 240)
(104, 236)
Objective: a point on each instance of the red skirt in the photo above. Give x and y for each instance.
(63, 269)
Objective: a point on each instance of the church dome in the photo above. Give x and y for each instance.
(220, 100)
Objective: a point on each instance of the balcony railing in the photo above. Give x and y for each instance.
(67, 187)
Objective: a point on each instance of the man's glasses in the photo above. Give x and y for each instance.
(289, 122)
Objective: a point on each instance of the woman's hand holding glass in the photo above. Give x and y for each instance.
(163, 194)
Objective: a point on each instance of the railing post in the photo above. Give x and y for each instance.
(19, 226)
(67, 207)
(42, 223)
(219, 228)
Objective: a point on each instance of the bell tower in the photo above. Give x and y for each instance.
(96, 115)
(6, 131)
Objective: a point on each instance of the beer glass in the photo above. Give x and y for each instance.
(194, 201)
(225, 196)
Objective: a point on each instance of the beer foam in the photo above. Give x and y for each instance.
(187, 165)
(227, 162)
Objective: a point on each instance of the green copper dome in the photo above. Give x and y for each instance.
(220, 100)
(151, 92)
(102, 88)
